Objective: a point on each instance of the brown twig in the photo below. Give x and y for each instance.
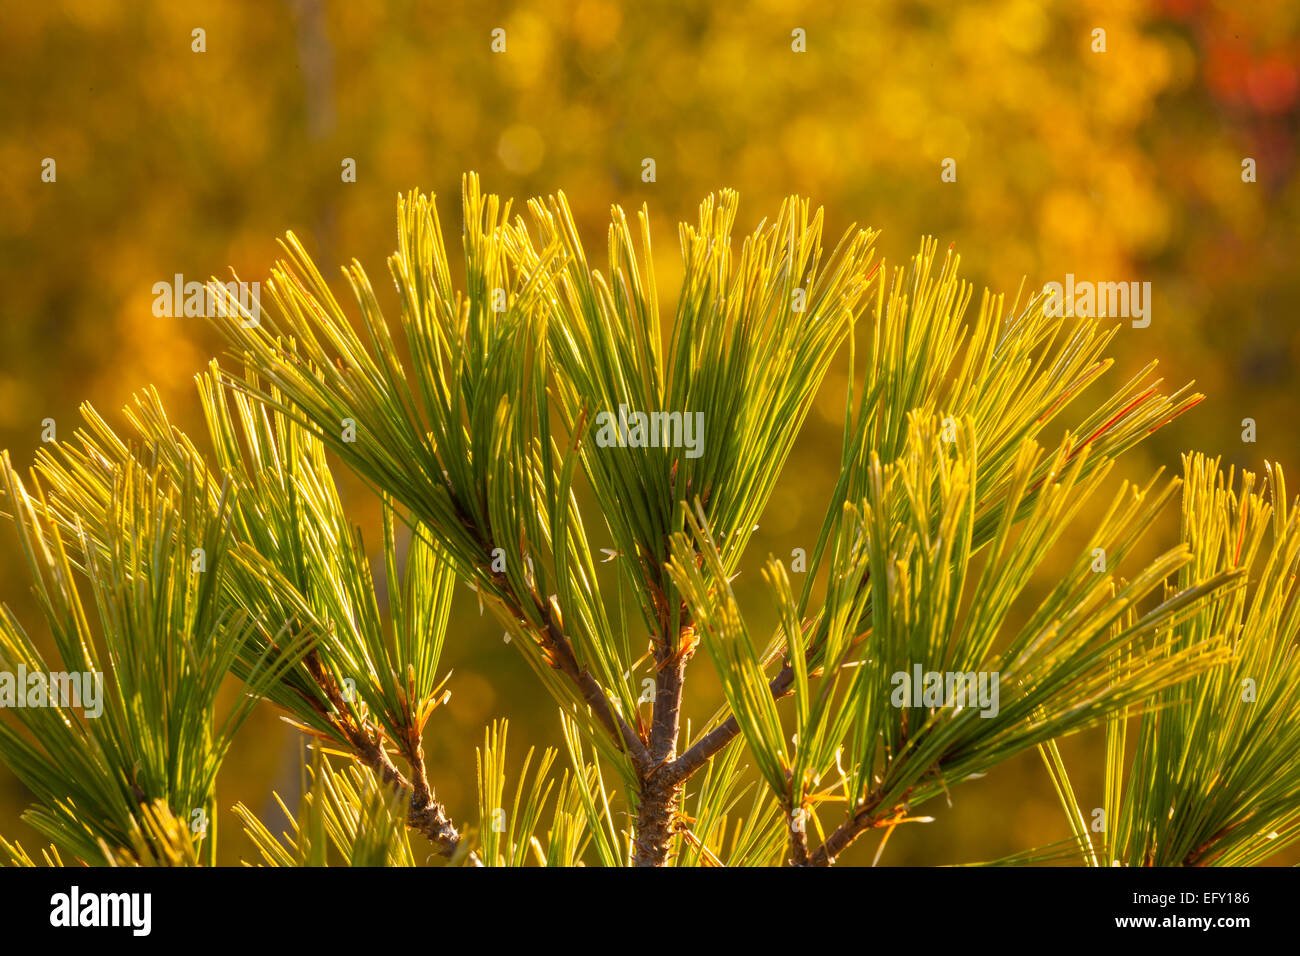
(424, 814)
(862, 819)
(565, 661)
(712, 743)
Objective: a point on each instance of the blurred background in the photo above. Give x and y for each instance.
(1122, 165)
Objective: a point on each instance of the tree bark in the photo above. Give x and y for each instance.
(660, 788)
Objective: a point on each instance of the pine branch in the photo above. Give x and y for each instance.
(712, 743)
(477, 433)
(560, 653)
(1212, 779)
(864, 818)
(425, 814)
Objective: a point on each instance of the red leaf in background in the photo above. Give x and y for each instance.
(1272, 84)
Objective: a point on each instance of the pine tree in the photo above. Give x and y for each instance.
(500, 420)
